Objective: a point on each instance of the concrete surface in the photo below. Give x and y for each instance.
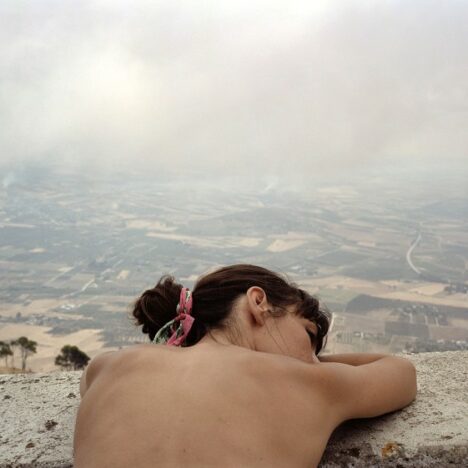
(37, 414)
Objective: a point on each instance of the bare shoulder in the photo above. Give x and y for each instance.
(346, 391)
(113, 361)
(299, 386)
(288, 374)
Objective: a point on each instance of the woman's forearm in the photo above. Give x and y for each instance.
(352, 359)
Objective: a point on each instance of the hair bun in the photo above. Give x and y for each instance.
(157, 306)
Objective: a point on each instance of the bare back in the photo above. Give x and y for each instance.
(153, 405)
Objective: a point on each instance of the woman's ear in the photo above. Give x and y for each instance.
(257, 305)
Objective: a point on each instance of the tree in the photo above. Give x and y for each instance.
(71, 358)
(26, 347)
(5, 351)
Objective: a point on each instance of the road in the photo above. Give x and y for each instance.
(410, 251)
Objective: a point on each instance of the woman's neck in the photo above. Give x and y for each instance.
(225, 338)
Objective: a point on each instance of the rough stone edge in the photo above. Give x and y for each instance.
(432, 456)
(58, 464)
(362, 455)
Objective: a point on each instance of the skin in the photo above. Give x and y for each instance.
(252, 395)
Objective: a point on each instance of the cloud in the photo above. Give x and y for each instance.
(233, 86)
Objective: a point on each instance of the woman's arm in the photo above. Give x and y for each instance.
(352, 359)
(359, 389)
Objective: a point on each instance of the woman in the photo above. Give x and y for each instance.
(234, 380)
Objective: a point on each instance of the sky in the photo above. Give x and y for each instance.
(234, 86)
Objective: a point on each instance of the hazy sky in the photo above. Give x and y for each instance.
(234, 85)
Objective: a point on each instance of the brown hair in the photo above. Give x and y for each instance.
(213, 298)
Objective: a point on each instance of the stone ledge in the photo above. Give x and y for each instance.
(38, 412)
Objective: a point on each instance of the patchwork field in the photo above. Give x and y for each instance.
(75, 254)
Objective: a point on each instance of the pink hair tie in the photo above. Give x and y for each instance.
(168, 334)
